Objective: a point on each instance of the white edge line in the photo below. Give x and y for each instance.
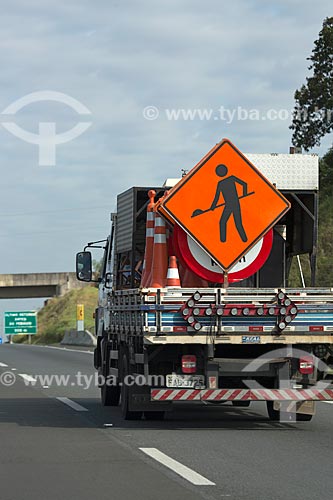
(328, 402)
(3, 365)
(62, 348)
(72, 404)
(180, 469)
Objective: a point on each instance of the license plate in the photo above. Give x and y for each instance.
(185, 381)
(251, 339)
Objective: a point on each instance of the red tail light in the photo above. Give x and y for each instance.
(189, 363)
(306, 365)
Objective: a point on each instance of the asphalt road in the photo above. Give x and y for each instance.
(74, 448)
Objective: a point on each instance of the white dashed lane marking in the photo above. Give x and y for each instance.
(28, 378)
(180, 469)
(72, 404)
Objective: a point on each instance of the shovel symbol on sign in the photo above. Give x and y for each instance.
(227, 187)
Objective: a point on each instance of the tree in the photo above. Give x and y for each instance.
(326, 174)
(325, 240)
(313, 112)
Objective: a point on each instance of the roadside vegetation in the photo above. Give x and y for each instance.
(59, 315)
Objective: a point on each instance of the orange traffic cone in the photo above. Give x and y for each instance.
(173, 280)
(160, 255)
(148, 258)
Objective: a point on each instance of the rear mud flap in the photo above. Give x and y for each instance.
(302, 407)
(140, 400)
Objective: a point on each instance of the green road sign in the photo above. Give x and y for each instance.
(20, 323)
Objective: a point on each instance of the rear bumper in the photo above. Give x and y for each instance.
(167, 395)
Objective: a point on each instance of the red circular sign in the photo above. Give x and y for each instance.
(196, 259)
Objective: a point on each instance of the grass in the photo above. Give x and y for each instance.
(59, 315)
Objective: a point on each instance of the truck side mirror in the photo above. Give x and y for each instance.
(84, 266)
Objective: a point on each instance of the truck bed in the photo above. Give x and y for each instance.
(231, 316)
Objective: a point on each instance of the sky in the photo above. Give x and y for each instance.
(127, 62)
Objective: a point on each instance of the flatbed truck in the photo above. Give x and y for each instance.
(232, 343)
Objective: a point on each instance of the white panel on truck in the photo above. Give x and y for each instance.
(288, 171)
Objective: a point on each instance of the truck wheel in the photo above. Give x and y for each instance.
(154, 415)
(124, 402)
(110, 395)
(274, 415)
(95, 358)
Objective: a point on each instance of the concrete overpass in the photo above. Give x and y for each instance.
(23, 286)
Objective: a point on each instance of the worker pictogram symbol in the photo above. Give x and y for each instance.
(228, 189)
(225, 204)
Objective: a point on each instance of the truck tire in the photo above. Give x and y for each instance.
(97, 358)
(110, 395)
(273, 415)
(126, 413)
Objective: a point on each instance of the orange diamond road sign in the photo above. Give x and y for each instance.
(225, 204)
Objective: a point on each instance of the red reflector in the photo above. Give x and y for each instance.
(256, 329)
(306, 366)
(180, 328)
(189, 363)
(316, 328)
